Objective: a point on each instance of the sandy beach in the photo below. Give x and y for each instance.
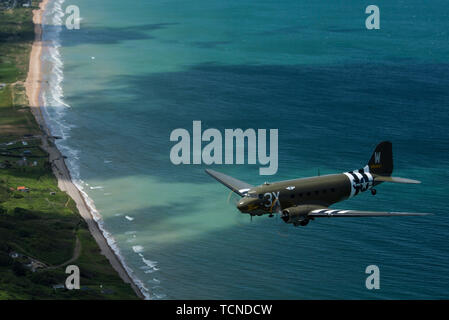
(33, 86)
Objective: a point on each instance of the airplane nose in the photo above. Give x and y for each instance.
(242, 206)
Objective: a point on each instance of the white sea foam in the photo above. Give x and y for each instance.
(149, 271)
(159, 295)
(149, 263)
(52, 95)
(129, 218)
(97, 187)
(138, 249)
(149, 266)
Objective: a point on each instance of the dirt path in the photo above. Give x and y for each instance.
(76, 255)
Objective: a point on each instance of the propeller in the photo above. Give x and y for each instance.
(282, 227)
(233, 199)
(275, 209)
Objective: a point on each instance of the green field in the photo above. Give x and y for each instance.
(41, 231)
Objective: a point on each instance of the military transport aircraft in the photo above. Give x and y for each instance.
(301, 200)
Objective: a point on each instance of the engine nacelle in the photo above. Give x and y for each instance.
(298, 215)
(295, 214)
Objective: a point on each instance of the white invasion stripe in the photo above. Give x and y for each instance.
(370, 179)
(351, 182)
(358, 174)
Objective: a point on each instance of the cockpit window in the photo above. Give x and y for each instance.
(252, 195)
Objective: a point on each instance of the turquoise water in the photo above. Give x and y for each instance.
(135, 72)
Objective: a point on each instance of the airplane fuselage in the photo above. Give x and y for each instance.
(320, 191)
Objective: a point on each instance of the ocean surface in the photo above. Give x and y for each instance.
(135, 71)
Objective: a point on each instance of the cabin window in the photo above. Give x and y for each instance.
(324, 191)
(308, 193)
(316, 192)
(292, 196)
(333, 189)
(260, 196)
(300, 194)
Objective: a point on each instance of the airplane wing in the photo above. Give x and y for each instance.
(235, 185)
(329, 213)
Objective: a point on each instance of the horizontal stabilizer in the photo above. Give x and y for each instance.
(239, 187)
(395, 179)
(321, 213)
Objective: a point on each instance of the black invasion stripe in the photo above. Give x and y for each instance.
(365, 177)
(356, 180)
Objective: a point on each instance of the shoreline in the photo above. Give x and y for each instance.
(60, 170)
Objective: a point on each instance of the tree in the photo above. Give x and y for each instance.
(18, 269)
(5, 259)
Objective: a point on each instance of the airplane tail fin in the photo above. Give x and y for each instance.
(381, 162)
(381, 165)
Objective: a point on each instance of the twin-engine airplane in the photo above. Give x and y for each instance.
(301, 200)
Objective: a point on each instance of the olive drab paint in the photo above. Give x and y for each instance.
(299, 201)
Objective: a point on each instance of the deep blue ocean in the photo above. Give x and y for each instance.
(137, 70)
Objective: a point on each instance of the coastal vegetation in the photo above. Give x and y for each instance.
(41, 231)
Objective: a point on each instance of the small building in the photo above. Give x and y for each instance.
(2, 85)
(23, 189)
(58, 286)
(34, 265)
(108, 291)
(22, 162)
